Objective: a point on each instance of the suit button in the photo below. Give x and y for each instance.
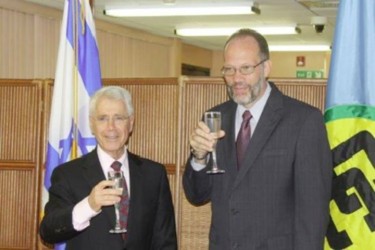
(60, 230)
(234, 211)
(235, 245)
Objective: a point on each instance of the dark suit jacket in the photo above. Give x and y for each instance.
(151, 222)
(279, 198)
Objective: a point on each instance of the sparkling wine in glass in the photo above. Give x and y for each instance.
(118, 177)
(213, 121)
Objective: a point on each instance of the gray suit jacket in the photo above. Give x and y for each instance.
(151, 222)
(279, 198)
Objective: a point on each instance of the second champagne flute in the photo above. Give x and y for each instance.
(213, 121)
(118, 177)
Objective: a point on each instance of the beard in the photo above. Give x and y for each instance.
(252, 95)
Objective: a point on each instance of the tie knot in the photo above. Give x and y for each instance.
(116, 165)
(246, 116)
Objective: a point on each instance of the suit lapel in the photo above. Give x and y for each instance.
(269, 119)
(92, 169)
(136, 192)
(228, 153)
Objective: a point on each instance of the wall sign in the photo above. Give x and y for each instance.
(300, 61)
(309, 74)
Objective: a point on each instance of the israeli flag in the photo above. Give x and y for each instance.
(77, 78)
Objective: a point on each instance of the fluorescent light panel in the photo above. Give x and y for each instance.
(227, 31)
(242, 8)
(300, 48)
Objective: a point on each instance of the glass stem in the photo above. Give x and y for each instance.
(214, 164)
(117, 212)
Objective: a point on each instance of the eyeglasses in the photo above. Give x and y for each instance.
(117, 119)
(244, 69)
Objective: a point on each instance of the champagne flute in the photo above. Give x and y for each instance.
(118, 177)
(213, 121)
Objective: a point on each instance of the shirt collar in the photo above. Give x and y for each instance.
(106, 160)
(257, 109)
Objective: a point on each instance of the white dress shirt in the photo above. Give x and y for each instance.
(82, 212)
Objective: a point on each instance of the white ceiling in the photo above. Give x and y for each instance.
(273, 12)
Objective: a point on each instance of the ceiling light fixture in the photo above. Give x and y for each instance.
(227, 31)
(133, 10)
(169, 2)
(300, 48)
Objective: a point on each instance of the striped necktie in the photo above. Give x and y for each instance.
(124, 203)
(243, 137)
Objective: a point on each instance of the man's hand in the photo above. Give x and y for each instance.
(202, 142)
(101, 195)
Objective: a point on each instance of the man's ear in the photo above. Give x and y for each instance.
(131, 123)
(267, 68)
(91, 123)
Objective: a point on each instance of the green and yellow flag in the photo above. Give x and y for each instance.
(350, 122)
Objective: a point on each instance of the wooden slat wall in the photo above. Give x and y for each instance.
(312, 92)
(166, 111)
(20, 133)
(198, 94)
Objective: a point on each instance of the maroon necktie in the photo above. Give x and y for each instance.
(243, 137)
(124, 203)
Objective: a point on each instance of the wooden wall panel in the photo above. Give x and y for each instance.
(114, 44)
(194, 225)
(46, 46)
(147, 57)
(20, 138)
(197, 94)
(18, 198)
(312, 92)
(15, 29)
(20, 109)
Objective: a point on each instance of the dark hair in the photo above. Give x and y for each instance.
(262, 42)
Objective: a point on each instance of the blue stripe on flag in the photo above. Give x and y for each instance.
(89, 67)
(60, 246)
(88, 56)
(84, 142)
(66, 146)
(70, 24)
(54, 159)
